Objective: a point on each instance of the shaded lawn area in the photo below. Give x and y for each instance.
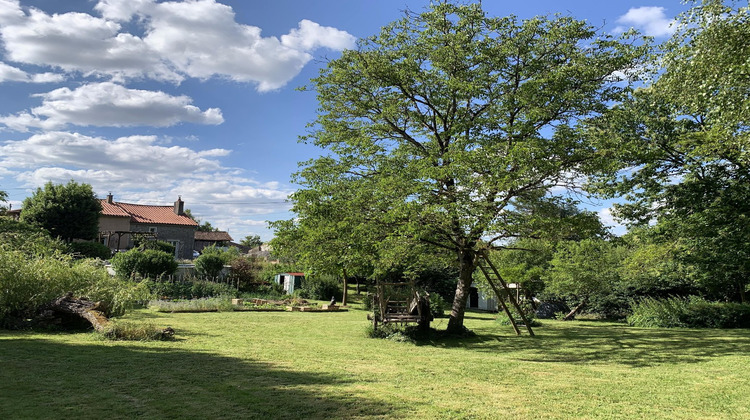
(320, 365)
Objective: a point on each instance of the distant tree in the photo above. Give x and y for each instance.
(252, 241)
(69, 211)
(582, 270)
(202, 226)
(3, 199)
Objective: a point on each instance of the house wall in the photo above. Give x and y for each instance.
(183, 235)
(113, 224)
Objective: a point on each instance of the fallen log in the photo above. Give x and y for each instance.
(83, 308)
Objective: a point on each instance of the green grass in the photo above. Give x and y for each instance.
(320, 365)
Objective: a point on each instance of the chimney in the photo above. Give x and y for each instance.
(179, 206)
(110, 198)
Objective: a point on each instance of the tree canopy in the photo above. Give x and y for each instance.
(458, 131)
(680, 146)
(69, 211)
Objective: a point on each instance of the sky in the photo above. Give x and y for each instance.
(154, 100)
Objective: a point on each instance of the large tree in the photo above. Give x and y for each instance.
(461, 123)
(69, 211)
(680, 147)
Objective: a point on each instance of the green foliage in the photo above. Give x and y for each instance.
(90, 250)
(188, 289)
(148, 264)
(209, 265)
(246, 272)
(133, 331)
(156, 245)
(27, 283)
(69, 211)
(693, 312)
(438, 305)
(320, 288)
(584, 270)
(227, 254)
(448, 130)
(31, 240)
(253, 241)
(209, 304)
(678, 149)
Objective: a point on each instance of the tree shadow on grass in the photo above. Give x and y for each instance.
(592, 342)
(48, 379)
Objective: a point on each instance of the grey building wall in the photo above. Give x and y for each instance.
(182, 236)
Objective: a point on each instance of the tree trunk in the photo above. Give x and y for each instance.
(572, 314)
(465, 279)
(83, 308)
(346, 287)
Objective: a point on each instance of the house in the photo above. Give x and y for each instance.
(289, 281)
(120, 223)
(216, 238)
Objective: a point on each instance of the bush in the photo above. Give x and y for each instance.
(28, 283)
(320, 288)
(438, 305)
(158, 246)
(693, 312)
(135, 331)
(149, 263)
(209, 265)
(246, 271)
(90, 250)
(188, 289)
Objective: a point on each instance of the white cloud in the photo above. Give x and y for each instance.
(650, 19)
(112, 105)
(9, 73)
(608, 220)
(198, 39)
(78, 42)
(139, 169)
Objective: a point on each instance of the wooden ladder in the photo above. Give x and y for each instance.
(494, 278)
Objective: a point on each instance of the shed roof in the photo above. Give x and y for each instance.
(212, 236)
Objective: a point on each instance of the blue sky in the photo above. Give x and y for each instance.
(152, 100)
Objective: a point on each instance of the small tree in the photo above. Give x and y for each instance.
(583, 270)
(252, 241)
(69, 211)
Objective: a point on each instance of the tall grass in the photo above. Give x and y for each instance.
(693, 312)
(27, 283)
(213, 304)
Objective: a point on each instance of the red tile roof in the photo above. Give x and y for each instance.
(138, 213)
(212, 236)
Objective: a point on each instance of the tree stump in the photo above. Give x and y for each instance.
(83, 308)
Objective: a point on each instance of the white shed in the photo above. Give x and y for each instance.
(289, 281)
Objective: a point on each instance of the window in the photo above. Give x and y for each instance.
(152, 229)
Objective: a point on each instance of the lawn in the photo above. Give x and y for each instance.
(320, 365)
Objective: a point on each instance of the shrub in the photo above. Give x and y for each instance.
(149, 263)
(246, 271)
(437, 305)
(28, 283)
(693, 312)
(158, 246)
(209, 265)
(320, 288)
(90, 250)
(135, 331)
